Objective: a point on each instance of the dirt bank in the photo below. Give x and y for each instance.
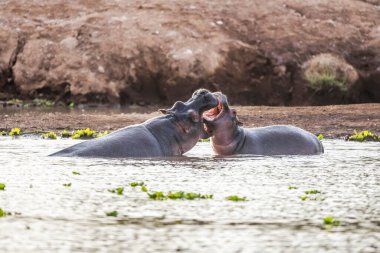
(332, 121)
(159, 51)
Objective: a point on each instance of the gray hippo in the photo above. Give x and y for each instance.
(170, 135)
(229, 138)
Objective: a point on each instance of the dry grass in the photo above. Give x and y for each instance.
(326, 71)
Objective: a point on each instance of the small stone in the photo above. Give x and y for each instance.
(101, 69)
(69, 43)
(219, 22)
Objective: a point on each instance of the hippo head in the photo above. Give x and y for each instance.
(187, 116)
(222, 119)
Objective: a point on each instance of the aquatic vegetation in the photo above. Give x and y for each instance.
(71, 105)
(312, 192)
(4, 213)
(101, 134)
(2, 187)
(158, 195)
(76, 173)
(320, 136)
(303, 198)
(50, 135)
(236, 198)
(3, 133)
(67, 184)
(112, 213)
(204, 140)
(118, 190)
(65, 134)
(144, 189)
(329, 220)
(292, 187)
(134, 184)
(84, 134)
(363, 136)
(15, 131)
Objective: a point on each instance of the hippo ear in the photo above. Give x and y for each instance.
(177, 107)
(238, 122)
(194, 116)
(234, 115)
(165, 111)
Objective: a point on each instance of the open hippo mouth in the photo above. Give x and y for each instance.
(213, 113)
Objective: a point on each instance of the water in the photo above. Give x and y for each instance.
(57, 218)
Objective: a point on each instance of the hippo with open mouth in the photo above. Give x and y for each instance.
(229, 138)
(170, 135)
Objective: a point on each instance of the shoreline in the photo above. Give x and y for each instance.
(333, 121)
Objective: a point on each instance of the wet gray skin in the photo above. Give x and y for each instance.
(228, 137)
(170, 135)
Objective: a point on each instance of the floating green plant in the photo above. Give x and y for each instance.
(15, 131)
(144, 189)
(134, 184)
(118, 190)
(76, 173)
(303, 198)
(329, 220)
(157, 195)
(84, 134)
(312, 192)
(236, 198)
(2, 187)
(112, 213)
(65, 134)
(320, 136)
(363, 136)
(177, 195)
(3, 133)
(204, 140)
(292, 187)
(67, 184)
(187, 195)
(50, 135)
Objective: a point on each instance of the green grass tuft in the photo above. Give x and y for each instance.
(363, 136)
(15, 131)
(50, 135)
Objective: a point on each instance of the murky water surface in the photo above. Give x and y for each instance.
(57, 218)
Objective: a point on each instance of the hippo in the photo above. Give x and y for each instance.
(229, 138)
(172, 134)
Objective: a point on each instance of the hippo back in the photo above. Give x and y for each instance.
(132, 141)
(280, 140)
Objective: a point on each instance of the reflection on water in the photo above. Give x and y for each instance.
(54, 217)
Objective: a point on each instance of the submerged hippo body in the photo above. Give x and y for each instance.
(170, 135)
(229, 138)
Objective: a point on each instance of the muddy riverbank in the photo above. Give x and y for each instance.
(280, 52)
(332, 121)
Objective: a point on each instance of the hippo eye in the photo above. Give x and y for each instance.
(206, 99)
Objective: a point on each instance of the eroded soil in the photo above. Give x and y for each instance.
(160, 51)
